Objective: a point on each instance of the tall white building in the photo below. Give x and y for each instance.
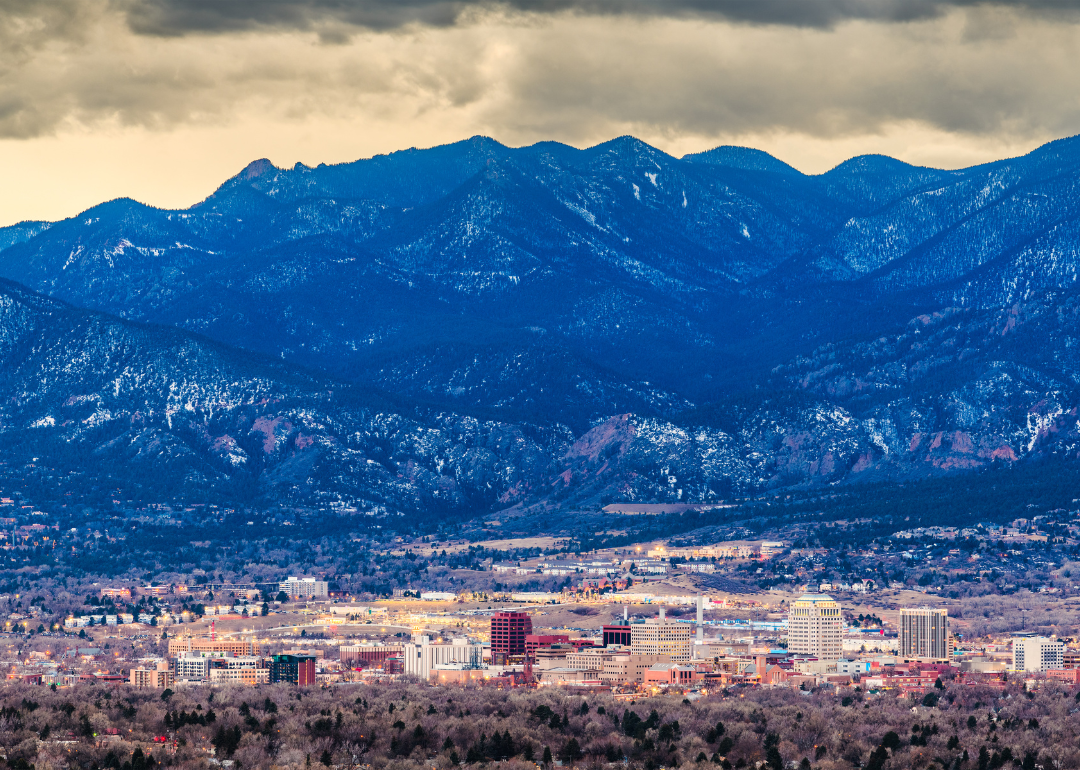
(1037, 653)
(194, 666)
(924, 633)
(661, 637)
(814, 627)
(304, 588)
(422, 655)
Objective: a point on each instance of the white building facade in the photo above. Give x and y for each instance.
(815, 626)
(1037, 653)
(304, 588)
(421, 656)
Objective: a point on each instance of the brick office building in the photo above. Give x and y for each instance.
(508, 632)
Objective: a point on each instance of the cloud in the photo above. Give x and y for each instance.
(991, 72)
(90, 109)
(179, 17)
(1009, 76)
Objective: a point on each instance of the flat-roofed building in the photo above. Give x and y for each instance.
(194, 666)
(1037, 653)
(508, 633)
(590, 659)
(617, 635)
(158, 677)
(661, 637)
(814, 627)
(553, 656)
(304, 588)
(629, 667)
(354, 655)
(178, 645)
(241, 669)
(534, 641)
(420, 658)
(295, 669)
(924, 633)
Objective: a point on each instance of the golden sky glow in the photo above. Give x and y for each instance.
(161, 100)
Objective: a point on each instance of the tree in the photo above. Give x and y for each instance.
(571, 752)
(265, 609)
(546, 760)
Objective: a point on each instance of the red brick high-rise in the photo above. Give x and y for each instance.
(508, 632)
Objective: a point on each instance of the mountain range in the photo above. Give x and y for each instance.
(452, 330)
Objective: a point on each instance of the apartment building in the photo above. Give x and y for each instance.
(295, 669)
(157, 678)
(194, 666)
(304, 588)
(240, 669)
(924, 634)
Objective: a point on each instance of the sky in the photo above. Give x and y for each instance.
(162, 100)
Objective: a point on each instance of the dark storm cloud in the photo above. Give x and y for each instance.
(535, 69)
(178, 17)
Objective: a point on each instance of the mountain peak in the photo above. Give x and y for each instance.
(256, 169)
(746, 158)
(872, 164)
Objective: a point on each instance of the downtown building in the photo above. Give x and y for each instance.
(508, 633)
(157, 678)
(661, 637)
(924, 634)
(1037, 653)
(304, 588)
(422, 657)
(180, 645)
(294, 669)
(815, 627)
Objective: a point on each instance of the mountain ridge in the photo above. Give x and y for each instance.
(691, 317)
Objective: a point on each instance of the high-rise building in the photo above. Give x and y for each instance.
(508, 632)
(924, 633)
(1037, 653)
(814, 627)
(296, 669)
(661, 637)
